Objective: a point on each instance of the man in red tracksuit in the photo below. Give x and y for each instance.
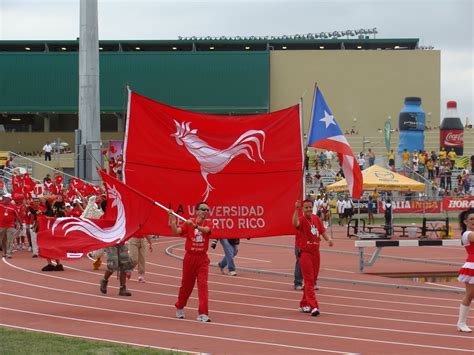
(196, 261)
(309, 231)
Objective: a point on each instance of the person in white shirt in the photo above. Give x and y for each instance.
(47, 148)
(348, 208)
(340, 210)
(361, 161)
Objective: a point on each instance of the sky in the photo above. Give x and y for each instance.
(447, 25)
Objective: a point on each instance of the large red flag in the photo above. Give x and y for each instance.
(71, 237)
(247, 168)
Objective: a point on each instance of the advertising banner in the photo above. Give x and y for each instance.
(457, 203)
(414, 206)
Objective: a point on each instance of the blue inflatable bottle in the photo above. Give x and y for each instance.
(411, 124)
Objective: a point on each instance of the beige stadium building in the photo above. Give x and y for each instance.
(364, 81)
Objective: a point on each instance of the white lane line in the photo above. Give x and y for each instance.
(240, 277)
(265, 305)
(14, 295)
(99, 339)
(266, 289)
(369, 300)
(237, 326)
(154, 330)
(343, 271)
(222, 255)
(443, 285)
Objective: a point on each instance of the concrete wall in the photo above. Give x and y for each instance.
(366, 85)
(28, 142)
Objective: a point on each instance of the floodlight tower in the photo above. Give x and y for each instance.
(88, 135)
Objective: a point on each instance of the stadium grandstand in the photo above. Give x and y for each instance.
(364, 79)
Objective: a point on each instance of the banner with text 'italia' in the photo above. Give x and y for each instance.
(247, 168)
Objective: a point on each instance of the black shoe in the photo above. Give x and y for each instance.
(315, 312)
(103, 286)
(124, 292)
(34, 256)
(49, 267)
(59, 267)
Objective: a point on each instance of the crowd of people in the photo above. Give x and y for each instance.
(439, 168)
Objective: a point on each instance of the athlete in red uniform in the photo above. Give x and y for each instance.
(310, 229)
(466, 274)
(196, 261)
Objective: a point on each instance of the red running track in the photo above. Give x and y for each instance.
(251, 313)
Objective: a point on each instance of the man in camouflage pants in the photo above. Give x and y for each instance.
(117, 260)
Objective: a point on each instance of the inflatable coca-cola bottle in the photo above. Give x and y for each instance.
(451, 131)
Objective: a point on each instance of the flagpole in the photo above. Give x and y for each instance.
(303, 149)
(125, 135)
(148, 198)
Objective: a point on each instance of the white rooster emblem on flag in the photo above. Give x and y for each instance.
(110, 234)
(213, 160)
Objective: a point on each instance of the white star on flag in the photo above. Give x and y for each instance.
(328, 119)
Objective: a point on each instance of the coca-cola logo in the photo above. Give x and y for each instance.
(454, 138)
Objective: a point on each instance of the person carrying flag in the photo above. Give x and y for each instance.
(309, 231)
(196, 262)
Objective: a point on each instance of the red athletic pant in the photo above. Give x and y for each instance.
(195, 266)
(309, 263)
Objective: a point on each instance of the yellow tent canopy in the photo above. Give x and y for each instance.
(376, 177)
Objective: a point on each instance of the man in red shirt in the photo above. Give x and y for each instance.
(196, 261)
(9, 222)
(309, 231)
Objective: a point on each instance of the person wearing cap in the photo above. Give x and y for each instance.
(9, 224)
(35, 209)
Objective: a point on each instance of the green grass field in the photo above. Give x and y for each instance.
(25, 342)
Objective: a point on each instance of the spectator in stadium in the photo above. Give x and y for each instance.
(430, 168)
(348, 209)
(371, 157)
(196, 262)
(405, 157)
(442, 155)
(388, 215)
(370, 210)
(339, 176)
(466, 274)
(452, 157)
(391, 160)
(47, 148)
(472, 164)
(361, 161)
(340, 210)
(309, 232)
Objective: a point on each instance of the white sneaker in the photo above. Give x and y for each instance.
(180, 313)
(141, 279)
(464, 328)
(315, 312)
(232, 273)
(203, 318)
(305, 309)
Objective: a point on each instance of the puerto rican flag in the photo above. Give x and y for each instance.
(325, 133)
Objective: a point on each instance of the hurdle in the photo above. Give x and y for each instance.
(425, 228)
(379, 244)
